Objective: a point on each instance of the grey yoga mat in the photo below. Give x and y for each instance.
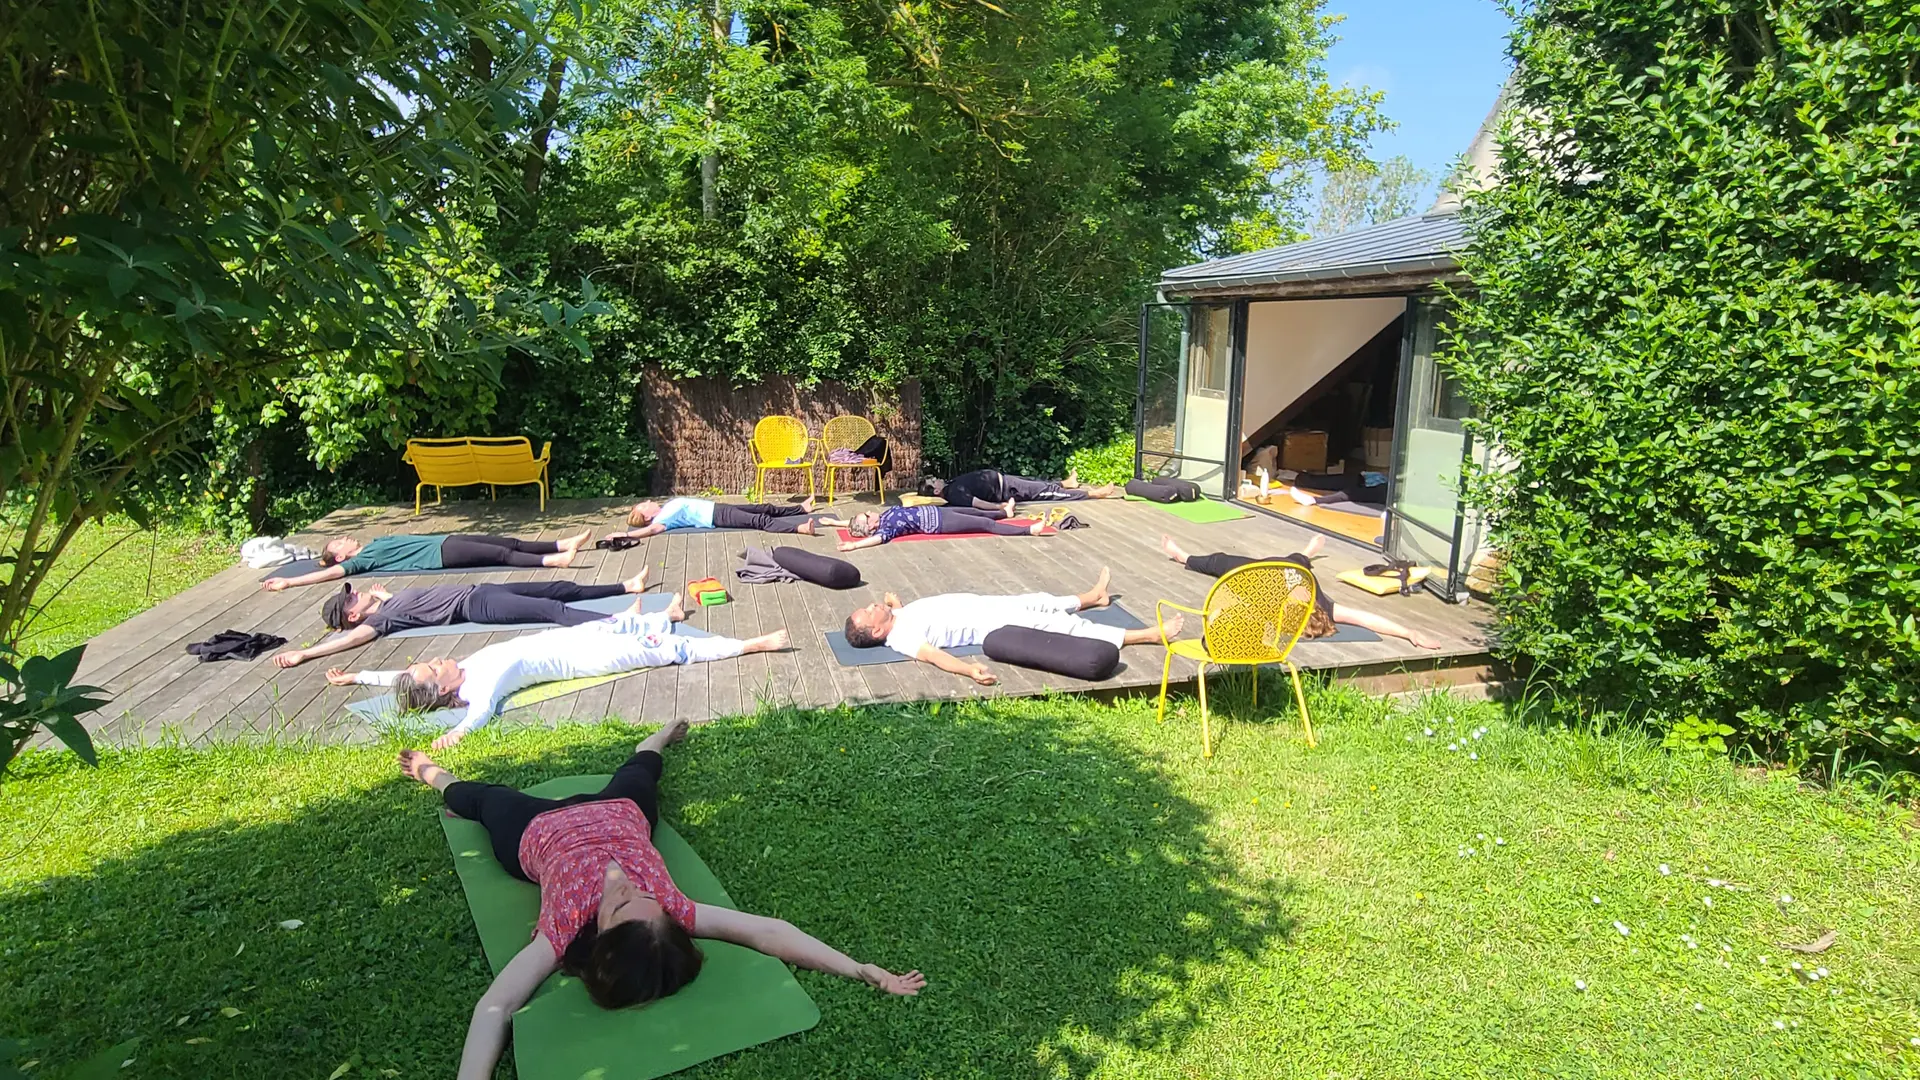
(848, 656)
(308, 566)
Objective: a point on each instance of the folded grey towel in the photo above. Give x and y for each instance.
(760, 569)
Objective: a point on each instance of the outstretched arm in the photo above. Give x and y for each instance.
(487, 1032)
(343, 677)
(780, 938)
(1380, 624)
(331, 573)
(978, 672)
(642, 532)
(864, 542)
(352, 639)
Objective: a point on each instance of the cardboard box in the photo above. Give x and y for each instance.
(1304, 451)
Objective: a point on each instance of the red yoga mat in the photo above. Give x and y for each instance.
(848, 538)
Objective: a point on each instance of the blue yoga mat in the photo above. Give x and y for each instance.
(308, 566)
(1112, 615)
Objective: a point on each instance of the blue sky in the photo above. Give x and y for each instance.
(1440, 62)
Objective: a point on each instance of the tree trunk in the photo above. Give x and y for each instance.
(535, 166)
(719, 30)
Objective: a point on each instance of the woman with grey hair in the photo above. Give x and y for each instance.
(480, 683)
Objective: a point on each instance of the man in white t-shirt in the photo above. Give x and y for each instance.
(480, 683)
(927, 628)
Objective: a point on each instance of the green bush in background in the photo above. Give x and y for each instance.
(1696, 331)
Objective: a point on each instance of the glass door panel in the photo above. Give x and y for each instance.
(1182, 416)
(1424, 520)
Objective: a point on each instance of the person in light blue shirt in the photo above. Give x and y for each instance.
(650, 518)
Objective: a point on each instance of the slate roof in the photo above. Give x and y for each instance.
(1423, 242)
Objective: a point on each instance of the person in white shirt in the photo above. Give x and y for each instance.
(624, 642)
(926, 628)
(650, 518)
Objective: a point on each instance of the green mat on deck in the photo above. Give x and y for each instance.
(740, 999)
(1200, 513)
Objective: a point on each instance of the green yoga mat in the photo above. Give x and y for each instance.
(740, 999)
(1200, 513)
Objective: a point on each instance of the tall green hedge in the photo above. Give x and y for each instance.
(1695, 331)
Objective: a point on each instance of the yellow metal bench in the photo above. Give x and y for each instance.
(445, 463)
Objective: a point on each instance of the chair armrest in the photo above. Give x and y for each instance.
(1160, 615)
(546, 451)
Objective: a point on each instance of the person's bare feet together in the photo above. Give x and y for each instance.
(774, 642)
(1173, 551)
(1098, 596)
(418, 766)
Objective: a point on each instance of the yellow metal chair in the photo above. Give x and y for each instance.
(1253, 615)
(847, 433)
(779, 442)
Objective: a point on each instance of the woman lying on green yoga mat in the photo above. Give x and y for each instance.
(609, 913)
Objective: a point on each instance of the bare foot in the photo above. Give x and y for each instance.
(1098, 596)
(562, 559)
(638, 582)
(1314, 545)
(577, 540)
(419, 766)
(1072, 481)
(1423, 640)
(665, 737)
(676, 611)
(1172, 627)
(777, 641)
(1008, 508)
(1173, 551)
(1301, 497)
(806, 505)
(1106, 491)
(452, 736)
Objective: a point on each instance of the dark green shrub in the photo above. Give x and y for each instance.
(1695, 329)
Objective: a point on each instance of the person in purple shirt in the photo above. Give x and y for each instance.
(876, 528)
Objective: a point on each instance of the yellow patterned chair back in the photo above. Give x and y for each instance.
(1257, 612)
(845, 433)
(778, 440)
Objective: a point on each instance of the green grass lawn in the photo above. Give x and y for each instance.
(1086, 895)
(112, 571)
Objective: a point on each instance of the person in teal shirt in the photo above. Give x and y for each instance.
(410, 554)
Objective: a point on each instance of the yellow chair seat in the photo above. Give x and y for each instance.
(1190, 649)
(849, 433)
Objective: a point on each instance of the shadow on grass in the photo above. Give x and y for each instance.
(1062, 897)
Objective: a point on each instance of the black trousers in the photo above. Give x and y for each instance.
(535, 602)
(1165, 491)
(1220, 563)
(506, 812)
(966, 519)
(764, 516)
(1331, 489)
(477, 550)
(1027, 489)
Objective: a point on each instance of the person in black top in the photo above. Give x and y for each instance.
(367, 614)
(991, 489)
(1325, 612)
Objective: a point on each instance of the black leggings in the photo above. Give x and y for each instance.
(535, 602)
(475, 550)
(1027, 489)
(1165, 491)
(1332, 489)
(764, 516)
(965, 519)
(506, 812)
(1220, 563)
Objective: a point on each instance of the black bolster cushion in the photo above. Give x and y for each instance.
(1062, 654)
(818, 569)
(1165, 491)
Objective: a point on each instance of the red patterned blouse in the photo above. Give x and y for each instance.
(567, 851)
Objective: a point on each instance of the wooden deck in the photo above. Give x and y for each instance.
(163, 694)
